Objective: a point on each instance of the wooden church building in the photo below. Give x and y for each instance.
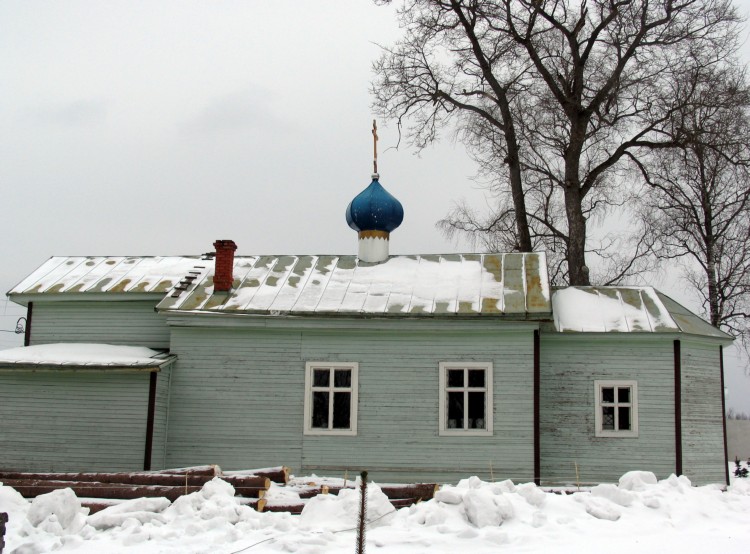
(416, 368)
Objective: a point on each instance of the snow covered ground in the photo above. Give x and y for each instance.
(638, 515)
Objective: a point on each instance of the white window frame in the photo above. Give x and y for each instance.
(598, 386)
(443, 429)
(309, 369)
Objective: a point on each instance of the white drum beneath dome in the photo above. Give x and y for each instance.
(373, 248)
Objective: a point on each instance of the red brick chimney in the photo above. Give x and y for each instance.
(224, 265)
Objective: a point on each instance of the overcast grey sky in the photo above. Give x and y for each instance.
(154, 127)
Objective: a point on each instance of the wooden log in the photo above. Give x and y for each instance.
(402, 502)
(420, 491)
(30, 488)
(294, 509)
(102, 490)
(257, 481)
(309, 492)
(423, 491)
(278, 474)
(259, 505)
(252, 481)
(213, 470)
(250, 492)
(95, 507)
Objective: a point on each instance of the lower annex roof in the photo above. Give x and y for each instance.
(84, 356)
(625, 310)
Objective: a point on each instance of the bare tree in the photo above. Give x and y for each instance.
(699, 208)
(551, 95)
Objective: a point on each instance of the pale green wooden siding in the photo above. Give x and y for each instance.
(397, 436)
(569, 366)
(702, 429)
(237, 400)
(69, 421)
(131, 323)
(161, 415)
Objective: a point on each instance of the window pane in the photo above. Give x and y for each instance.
(476, 378)
(623, 394)
(608, 418)
(455, 377)
(455, 410)
(320, 410)
(476, 410)
(623, 414)
(608, 394)
(342, 378)
(321, 378)
(341, 410)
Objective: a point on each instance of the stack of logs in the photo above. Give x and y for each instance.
(398, 495)
(98, 490)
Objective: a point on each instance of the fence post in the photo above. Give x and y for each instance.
(361, 528)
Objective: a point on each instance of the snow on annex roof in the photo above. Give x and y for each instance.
(83, 356)
(428, 285)
(625, 310)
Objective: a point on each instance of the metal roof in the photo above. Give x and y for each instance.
(511, 285)
(109, 274)
(429, 285)
(625, 310)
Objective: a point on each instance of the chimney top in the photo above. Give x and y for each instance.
(224, 265)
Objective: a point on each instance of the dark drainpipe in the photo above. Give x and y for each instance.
(150, 421)
(724, 413)
(537, 382)
(678, 407)
(27, 331)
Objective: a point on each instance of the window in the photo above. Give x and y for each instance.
(616, 408)
(465, 398)
(331, 398)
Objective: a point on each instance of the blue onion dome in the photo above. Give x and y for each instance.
(374, 209)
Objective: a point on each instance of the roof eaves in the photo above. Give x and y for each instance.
(155, 364)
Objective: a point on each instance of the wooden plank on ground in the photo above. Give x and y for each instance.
(139, 478)
(32, 488)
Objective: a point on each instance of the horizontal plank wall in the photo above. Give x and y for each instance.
(569, 366)
(237, 400)
(72, 421)
(398, 417)
(130, 323)
(738, 439)
(702, 417)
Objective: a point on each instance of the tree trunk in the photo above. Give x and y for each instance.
(578, 272)
(516, 184)
(519, 204)
(713, 286)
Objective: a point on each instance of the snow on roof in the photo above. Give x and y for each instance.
(624, 310)
(102, 274)
(428, 285)
(83, 355)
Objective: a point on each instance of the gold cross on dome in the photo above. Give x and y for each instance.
(375, 146)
